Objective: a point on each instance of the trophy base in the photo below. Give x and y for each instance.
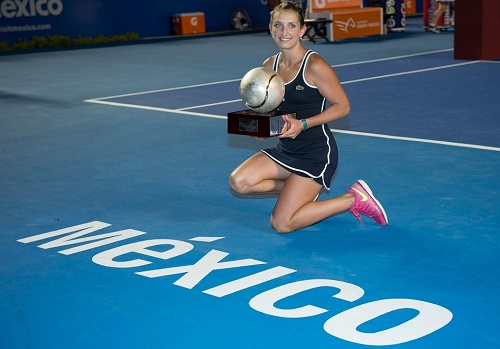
(251, 123)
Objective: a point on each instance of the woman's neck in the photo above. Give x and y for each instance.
(292, 58)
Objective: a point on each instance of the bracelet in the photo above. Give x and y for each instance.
(304, 124)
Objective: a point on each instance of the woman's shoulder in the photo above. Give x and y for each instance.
(314, 57)
(315, 62)
(269, 62)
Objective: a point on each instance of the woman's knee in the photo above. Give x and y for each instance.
(238, 183)
(280, 225)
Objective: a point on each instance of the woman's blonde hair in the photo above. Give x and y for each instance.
(289, 6)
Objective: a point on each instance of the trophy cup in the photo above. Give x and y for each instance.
(262, 91)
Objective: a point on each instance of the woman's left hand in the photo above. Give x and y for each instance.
(292, 127)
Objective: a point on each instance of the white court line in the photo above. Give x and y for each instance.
(234, 80)
(163, 90)
(410, 72)
(165, 110)
(101, 99)
(185, 112)
(420, 140)
(365, 134)
(210, 104)
(392, 58)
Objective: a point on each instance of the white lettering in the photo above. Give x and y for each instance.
(107, 257)
(198, 271)
(265, 301)
(431, 318)
(30, 8)
(83, 229)
(345, 325)
(22, 10)
(248, 281)
(55, 7)
(8, 9)
(39, 8)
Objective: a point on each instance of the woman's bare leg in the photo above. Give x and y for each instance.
(258, 175)
(296, 209)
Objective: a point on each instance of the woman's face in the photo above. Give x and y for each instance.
(286, 29)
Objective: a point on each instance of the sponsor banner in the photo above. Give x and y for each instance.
(395, 15)
(411, 7)
(325, 5)
(352, 24)
(28, 18)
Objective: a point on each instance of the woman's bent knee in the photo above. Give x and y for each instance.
(238, 184)
(280, 226)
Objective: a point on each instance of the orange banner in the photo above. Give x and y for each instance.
(410, 7)
(325, 5)
(352, 24)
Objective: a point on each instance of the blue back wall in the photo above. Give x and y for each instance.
(91, 18)
(20, 20)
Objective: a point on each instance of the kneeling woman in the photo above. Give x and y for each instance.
(305, 159)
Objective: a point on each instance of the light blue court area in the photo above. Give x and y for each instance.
(118, 229)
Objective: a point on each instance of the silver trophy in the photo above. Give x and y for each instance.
(262, 91)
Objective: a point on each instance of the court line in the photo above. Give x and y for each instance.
(164, 90)
(102, 99)
(234, 80)
(391, 58)
(165, 110)
(185, 112)
(356, 133)
(210, 104)
(410, 72)
(420, 140)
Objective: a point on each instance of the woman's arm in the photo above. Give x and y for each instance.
(320, 74)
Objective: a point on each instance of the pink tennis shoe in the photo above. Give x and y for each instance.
(366, 204)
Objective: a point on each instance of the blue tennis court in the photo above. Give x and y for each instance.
(119, 229)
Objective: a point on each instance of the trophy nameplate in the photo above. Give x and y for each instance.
(251, 123)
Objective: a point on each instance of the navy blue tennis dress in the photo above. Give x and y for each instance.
(313, 153)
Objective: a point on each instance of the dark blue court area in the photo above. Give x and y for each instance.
(118, 229)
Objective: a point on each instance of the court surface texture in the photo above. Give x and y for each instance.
(118, 229)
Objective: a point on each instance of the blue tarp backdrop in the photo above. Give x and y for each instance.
(24, 19)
